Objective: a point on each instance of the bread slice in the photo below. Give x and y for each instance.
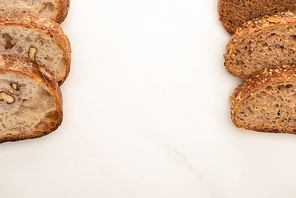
(234, 13)
(30, 99)
(55, 10)
(37, 38)
(262, 43)
(266, 101)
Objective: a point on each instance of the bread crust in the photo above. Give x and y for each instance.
(29, 68)
(64, 9)
(263, 23)
(261, 79)
(44, 26)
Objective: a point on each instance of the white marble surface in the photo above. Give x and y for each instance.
(147, 114)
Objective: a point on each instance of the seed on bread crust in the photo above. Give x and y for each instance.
(273, 20)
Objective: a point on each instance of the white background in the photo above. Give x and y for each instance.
(146, 114)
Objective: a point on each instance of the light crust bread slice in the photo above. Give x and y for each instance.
(266, 101)
(55, 10)
(234, 13)
(37, 38)
(30, 99)
(262, 43)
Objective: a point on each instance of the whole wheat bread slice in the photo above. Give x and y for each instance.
(30, 99)
(37, 38)
(55, 10)
(262, 43)
(233, 13)
(266, 101)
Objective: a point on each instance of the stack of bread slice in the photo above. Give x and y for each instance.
(35, 57)
(263, 51)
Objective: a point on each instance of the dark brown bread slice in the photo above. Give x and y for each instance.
(262, 43)
(30, 99)
(266, 101)
(233, 13)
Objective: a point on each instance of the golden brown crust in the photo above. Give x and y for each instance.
(64, 9)
(45, 26)
(259, 80)
(266, 22)
(29, 68)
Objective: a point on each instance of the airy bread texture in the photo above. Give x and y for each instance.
(55, 10)
(262, 43)
(266, 101)
(39, 39)
(233, 13)
(30, 99)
